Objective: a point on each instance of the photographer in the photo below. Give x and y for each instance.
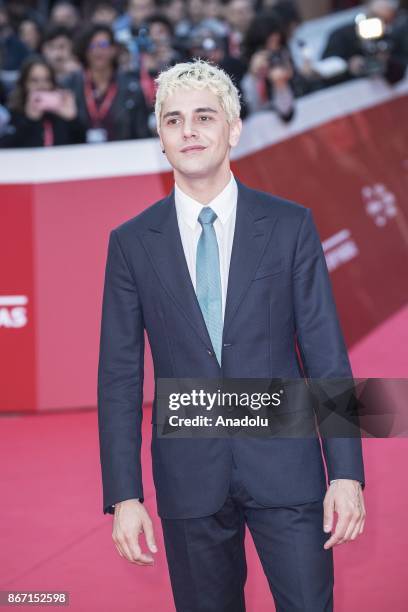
(110, 103)
(155, 54)
(126, 27)
(238, 16)
(385, 53)
(12, 51)
(272, 81)
(207, 45)
(41, 115)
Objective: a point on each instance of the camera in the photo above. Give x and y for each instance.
(279, 59)
(144, 42)
(374, 43)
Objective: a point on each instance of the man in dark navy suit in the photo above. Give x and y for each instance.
(227, 281)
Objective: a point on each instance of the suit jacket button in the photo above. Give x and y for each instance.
(210, 352)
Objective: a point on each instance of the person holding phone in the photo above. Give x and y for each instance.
(41, 114)
(272, 82)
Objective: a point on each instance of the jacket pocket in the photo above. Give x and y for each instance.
(268, 271)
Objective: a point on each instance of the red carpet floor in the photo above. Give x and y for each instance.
(55, 537)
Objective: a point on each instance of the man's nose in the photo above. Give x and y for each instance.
(189, 129)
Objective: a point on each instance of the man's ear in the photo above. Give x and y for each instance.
(235, 131)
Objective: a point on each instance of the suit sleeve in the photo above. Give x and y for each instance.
(320, 341)
(120, 381)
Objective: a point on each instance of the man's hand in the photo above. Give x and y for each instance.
(280, 75)
(130, 519)
(258, 65)
(345, 497)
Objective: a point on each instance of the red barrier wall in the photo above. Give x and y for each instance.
(18, 372)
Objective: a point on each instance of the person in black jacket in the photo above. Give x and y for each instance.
(344, 42)
(40, 113)
(110, 103)
(12, 51)
(272, 82)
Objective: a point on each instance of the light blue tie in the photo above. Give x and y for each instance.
(208, 279)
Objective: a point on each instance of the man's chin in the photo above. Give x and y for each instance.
(195, 170)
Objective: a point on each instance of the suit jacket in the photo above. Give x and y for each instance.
(279, 294)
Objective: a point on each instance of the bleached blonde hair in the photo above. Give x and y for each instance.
(198, 74)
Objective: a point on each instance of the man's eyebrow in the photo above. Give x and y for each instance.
(172, 114)
(202, 109)
(205, 109)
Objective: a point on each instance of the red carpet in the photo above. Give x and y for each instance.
(54, 536)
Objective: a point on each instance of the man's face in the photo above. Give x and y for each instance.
(212, 9)
(104, 15)
(159, 33)
(140, 10)
(64, 14)
(239, 14)
(175, 10)
(57, 51)
(196, 11)
(195, 133)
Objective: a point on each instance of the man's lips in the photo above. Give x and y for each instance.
(192, 148)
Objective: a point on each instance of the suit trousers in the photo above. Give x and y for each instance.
(207, 564)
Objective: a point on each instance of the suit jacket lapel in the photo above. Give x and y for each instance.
(253, 228)
(163, 244)
(165, 249)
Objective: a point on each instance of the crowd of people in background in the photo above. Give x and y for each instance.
(84, 73)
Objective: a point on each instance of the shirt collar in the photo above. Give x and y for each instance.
(223, 204)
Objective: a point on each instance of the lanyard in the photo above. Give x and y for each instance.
(147, 83)
(98, 114)
(48, 137)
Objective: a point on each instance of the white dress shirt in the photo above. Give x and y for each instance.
(225, 207)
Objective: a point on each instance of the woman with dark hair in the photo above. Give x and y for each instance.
(30, 33)
(110, 102)
(272, 81)
(267, 82)
(40, 114)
